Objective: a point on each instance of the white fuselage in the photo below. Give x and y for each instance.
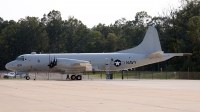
(39, 62)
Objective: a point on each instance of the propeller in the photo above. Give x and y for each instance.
(52, 63)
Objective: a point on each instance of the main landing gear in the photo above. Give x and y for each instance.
(74, 77)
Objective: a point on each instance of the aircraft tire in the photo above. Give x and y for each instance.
(78, 77)
(27, 77)
(73, 77)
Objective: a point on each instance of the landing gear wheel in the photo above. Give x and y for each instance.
(78, 77)
(73, 77)
(27, 77)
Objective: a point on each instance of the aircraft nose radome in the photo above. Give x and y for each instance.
(7, 66)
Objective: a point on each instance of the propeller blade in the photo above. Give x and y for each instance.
(52, 63)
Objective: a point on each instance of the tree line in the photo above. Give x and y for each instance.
(179, 31)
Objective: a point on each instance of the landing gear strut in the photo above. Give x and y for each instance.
(67, 77)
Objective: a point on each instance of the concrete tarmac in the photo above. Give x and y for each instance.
(100, 96)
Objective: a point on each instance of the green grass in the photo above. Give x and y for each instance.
(146, 75)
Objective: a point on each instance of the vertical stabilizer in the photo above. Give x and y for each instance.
(150, 43)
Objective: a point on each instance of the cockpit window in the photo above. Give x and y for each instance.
(20, 58)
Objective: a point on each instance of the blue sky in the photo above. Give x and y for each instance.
(90, 12)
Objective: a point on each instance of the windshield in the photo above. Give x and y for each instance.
(20, 58)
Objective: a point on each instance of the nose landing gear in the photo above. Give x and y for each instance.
(27, 78)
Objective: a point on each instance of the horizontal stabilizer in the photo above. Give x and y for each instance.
(159, 54)
(177, 54)
(187, 54)
(180, 54)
